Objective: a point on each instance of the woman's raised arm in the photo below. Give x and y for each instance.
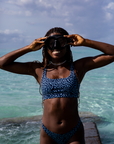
(7, 61)
(101, 60)
(90, 63)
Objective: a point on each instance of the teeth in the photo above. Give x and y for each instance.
(56, 52)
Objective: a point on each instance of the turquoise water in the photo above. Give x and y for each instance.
(20, 97)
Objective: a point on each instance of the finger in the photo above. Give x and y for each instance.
(70, 36)
(72, 39)
(38, 41)
(38, 47)
(65, 35)
(41, 42)
(72, 44)
(42, 38)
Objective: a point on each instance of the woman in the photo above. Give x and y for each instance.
(59, 78)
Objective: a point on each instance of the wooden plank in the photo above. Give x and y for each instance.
(91, 133)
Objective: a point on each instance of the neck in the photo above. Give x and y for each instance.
(58, 63)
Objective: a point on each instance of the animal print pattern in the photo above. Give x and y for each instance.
(60, 88)
(61, 138)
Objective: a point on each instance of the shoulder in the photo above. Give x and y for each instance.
(79, 64)
(80, 67)
(36, 69)
(36, 64)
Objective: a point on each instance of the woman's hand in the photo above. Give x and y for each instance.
(37, 44)
(77, 40)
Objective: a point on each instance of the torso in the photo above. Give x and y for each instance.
(60, 114)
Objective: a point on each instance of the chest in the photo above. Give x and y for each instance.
(60, 87)
(57, 73)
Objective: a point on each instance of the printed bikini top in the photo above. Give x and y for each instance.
(60, 88)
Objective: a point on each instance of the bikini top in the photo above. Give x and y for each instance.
(60, 88)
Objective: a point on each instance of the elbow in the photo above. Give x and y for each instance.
(2, 64)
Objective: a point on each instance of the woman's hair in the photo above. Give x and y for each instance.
(46, 57)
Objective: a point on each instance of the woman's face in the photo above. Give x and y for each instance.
(56, 53)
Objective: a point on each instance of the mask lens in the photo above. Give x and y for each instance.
(56, 41)
(51, 42)
(62, 41)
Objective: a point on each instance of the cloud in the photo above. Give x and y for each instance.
(14, 39)
(47, 9)
(50, 7)
(110, 6)
(28, 13)
(55, 9)
(109, 11)
(68, 24)
(31, 22)
(15, 12)
(32, 5)
(88, 17)
(59, 9)
(109, 16)
(8, 36)
(8, 32)
(75, 11)
(20, 2)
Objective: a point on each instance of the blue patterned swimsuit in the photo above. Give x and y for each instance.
(60, 88)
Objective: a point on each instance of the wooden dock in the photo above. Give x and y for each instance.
(91, 133)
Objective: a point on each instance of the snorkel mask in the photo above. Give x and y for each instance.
(57, 42)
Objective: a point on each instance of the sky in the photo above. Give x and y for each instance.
(22, 21)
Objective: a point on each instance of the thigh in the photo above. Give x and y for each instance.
(45, 139)
(78, 137)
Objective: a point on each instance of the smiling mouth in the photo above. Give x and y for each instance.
(56, 52)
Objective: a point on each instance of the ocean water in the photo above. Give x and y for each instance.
(20, 97)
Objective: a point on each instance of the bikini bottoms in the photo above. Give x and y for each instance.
(62, 138)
